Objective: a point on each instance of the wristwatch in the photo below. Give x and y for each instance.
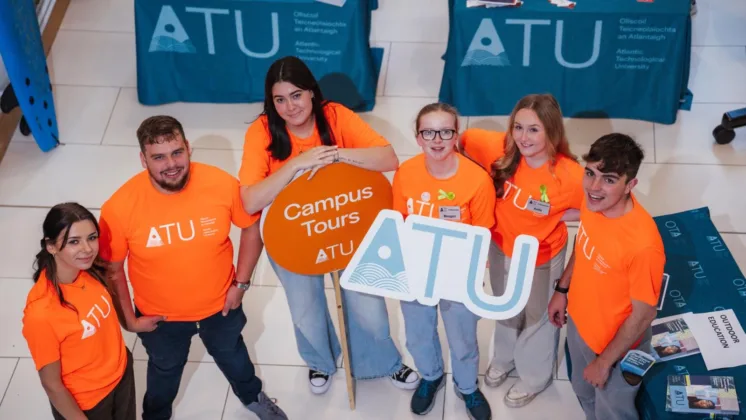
(560, 289)
(242, 286)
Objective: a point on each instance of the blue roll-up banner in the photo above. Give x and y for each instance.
(23, 55)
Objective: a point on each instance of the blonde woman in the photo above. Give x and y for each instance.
(538, 183)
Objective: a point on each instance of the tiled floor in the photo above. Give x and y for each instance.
(93, 69)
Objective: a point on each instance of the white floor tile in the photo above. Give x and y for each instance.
(558, 402)
(393, 21)
(582, 132)
(86, 58)
(718, 74)
(665, 189)
(100, 15)
(13, 293)
(415, 69)
(24, 225)
(719, 23)
(7, 367)
(376, 399)
(214, 126)
(690, 139)
(737, 246)
(201, 393)
(25, 398)
(82, 113)
(90, 174)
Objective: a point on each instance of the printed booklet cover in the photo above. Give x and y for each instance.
(702, 394)
(672, 338)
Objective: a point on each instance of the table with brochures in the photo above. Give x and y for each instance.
(702, 276)
(219, 51)
(611, 58)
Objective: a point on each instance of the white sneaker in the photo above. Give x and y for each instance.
(405, 378)
(494, 377)
(517, 396)
(319, 381)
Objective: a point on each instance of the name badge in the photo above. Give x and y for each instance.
(450, 213)
(538, 207)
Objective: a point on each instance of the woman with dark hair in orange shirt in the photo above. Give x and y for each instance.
(300, 131)
(71, 325)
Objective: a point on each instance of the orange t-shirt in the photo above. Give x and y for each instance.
(348, 129)
(179, 254)
(467, 197)
(88, 344)
(616, 260)
(562, 186)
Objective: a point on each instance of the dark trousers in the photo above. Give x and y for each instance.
(168, 348)
(120, 404)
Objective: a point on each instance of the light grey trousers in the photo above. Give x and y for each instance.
(616, 400)
(527, 342)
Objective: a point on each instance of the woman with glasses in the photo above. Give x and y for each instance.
(539, 186)
(441, 183)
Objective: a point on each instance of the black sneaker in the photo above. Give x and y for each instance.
(319, 381)
(266, 408)
(424, 398)
(405, 378)
(477, 406)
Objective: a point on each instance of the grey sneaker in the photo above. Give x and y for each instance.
(266, 409)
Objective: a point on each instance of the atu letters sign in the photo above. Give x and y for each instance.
(314, 226)
(427, 259)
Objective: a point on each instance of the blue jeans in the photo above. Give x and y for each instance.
(373, 353)
(423, 342)
(168, 347)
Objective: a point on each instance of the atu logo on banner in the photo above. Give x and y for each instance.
(314, 226)
(427, 259)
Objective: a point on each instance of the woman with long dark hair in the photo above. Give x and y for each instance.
(72, 326)
(539, 186)
(300, 131)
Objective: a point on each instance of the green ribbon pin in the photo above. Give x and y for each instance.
(442, 195)
(544, 196)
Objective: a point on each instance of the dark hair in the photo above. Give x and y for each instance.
(58, 222)
(294, 71)
(617, 153)
(158, 129)
(548, 111)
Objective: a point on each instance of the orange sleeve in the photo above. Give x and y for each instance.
(352, 132)
(646, 275)
(41, 339)
(255, 160)
(113, 245)
(400, 201)
(575, 183)
(239, 216)
(484, 146)
(482, 206)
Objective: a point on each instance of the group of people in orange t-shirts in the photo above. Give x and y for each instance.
(171, 223)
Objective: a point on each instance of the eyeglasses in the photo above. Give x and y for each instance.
(429, 135)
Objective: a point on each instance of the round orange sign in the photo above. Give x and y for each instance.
(315, 226)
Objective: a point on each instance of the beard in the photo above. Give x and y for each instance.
(172, 186)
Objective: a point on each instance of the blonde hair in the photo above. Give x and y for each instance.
(548, 111)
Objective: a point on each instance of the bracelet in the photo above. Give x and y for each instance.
(336, 156)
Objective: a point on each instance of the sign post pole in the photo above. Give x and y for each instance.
(351, 390)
